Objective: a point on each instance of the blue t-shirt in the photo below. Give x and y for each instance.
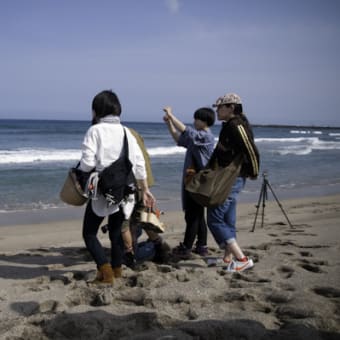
(199, 144)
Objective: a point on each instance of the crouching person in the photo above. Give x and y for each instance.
(154, 248)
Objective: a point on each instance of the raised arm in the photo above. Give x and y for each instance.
(175, 126)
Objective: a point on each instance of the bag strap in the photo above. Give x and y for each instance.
(125, 149)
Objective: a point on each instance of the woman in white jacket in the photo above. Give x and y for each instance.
(102, 145)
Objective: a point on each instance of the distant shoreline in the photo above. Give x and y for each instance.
(296, 126)
(188, 123)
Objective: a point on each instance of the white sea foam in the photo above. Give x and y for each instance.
(166, 151)
(37, 155)
(298, 145)
(295, 150)
(31, 206)
(286, 140)
(309, 145)
(27, 156)
(306, 132)
(282, 146)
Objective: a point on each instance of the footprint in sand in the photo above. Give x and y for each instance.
(313, 246)
(294, 231)
(286, 286)
(302, 233)
(309, 265)
(235, 296)
(293, 312)
(329, 292)
(312, 266)
(262, 246)
(246, 279)
(279, 296)
(306, 254)
(286, 271)
(250, 277)
(288, 253)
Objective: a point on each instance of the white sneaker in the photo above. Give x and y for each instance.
(239, 266)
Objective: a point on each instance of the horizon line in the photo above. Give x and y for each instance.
(158, 122)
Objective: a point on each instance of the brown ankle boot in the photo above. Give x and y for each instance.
(104, 274)
(117, 272)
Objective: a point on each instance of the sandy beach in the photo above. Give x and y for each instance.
(293, 291)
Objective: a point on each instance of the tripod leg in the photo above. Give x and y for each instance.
(280, 205)
(258, 206)
(264, 197)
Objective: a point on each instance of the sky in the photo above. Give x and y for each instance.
(281, 57)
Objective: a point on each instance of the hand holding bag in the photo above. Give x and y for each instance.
(211, 187)
(148, 219)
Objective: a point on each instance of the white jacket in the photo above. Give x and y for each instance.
(101, 146)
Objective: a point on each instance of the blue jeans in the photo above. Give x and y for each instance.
(222, 219)
(145, 250)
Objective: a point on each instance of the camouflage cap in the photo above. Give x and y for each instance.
(229, 98)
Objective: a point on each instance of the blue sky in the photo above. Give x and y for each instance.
(281, 57)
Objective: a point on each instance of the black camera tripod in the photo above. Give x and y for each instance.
(263, 197)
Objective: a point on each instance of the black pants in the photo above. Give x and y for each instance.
(195, 222)
(91, 225)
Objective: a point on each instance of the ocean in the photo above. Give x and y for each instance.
(35, 156)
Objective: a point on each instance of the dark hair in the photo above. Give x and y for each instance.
(205, 114)
(106, 103)
(238, 111)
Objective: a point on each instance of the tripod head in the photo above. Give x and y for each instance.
(264, 174)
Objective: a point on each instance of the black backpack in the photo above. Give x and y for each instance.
(117, 181)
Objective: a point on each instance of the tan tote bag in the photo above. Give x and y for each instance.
(211, 187)
(71, 192)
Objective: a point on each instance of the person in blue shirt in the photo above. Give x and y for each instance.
(199, 142)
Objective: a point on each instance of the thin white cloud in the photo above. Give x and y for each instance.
(173, 5)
